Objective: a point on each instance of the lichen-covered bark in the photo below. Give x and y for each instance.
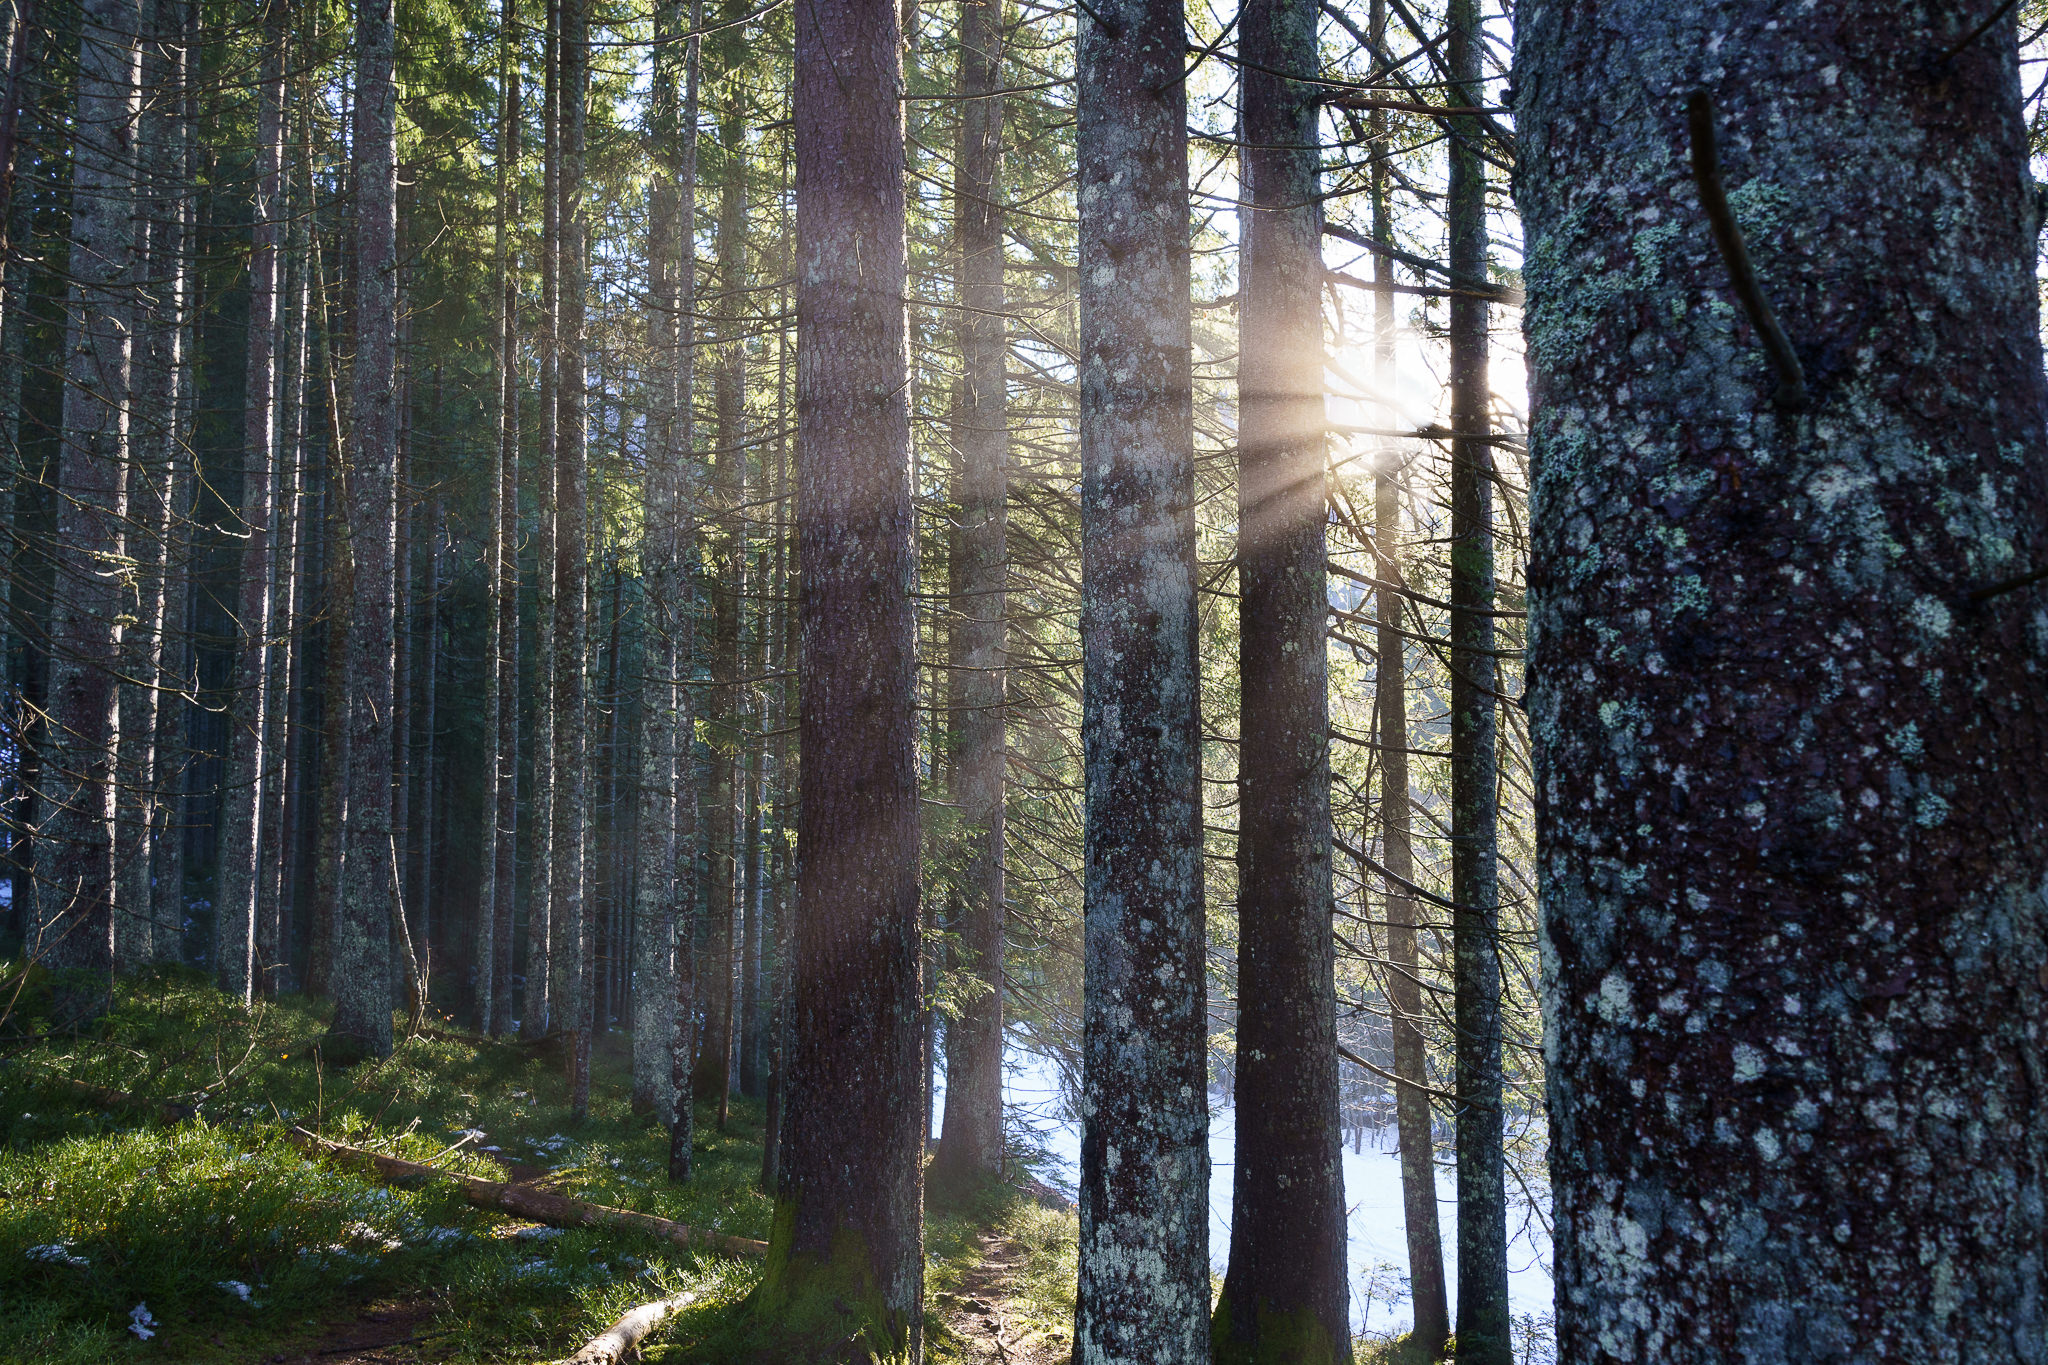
(1792, 804)
(362, 938)
(74, 848)
(1285, 1296)
(971, 1143)
(1482, 1323)
(234, 907)
(846, 1253)
(1143, 1294)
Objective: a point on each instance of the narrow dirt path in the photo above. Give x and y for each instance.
(975, 1314)
(387, 1332)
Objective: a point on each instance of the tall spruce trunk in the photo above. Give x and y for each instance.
(1482, 1323)
(971, 1141)
(498, 860)
(1285, 1295)
(721, 905)
(544, 1002)
(156, 482)
(682, 869)
(1414, 1123)
(362, 940)
(655, 882)
(274, 853)
(235, 897)
(1143, 1294)
(846, 1248)
(571, 639)
(74, 848)
(1787, 727)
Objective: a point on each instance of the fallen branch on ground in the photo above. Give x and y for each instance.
(622, 1339)
(555, 1210)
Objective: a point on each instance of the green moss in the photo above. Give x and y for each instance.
(1278, 1338)
(825, 1308)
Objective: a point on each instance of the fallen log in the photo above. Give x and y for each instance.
(555, 1210)
(622, 1339)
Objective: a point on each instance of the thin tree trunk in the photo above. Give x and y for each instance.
(781, 965)
(499, 860)
(331, 799)
(847, 1235)
(1415, 1124)
(235, 897)
(544, 983)
(571, 624)
(362, 952)
(74, 850)
(1285, 1297)
(681, 871)
(971, 1141)
(1144, 1144)
(755, 902)
(714, 1056)
(1483, 1322)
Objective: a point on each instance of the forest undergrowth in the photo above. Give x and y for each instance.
(182, 1225)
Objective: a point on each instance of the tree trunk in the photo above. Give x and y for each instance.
(1475, 767)
(721, 906)
(1143, 1293)
(971, 1141)
(1428, 1292)
(362, 950)
(846, 1254)
(74, 850)
(1787, 731)
(544, 1001)
(1285, 1296)
(571, 623)
(235, 896)
(498, 860)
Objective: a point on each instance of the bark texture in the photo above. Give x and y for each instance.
(74, 847)
(362, 938)
(1793, 814)
(1285, 1296)
(971, 1142)
(1143, 1294)
(846, 1253)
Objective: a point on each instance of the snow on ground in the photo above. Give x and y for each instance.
(1378, 1257)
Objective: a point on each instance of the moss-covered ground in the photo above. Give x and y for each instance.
(239, 1248)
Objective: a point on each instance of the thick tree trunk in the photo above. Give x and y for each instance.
(1787, 731)
(571, 621)
(234, 908)
(846, 1254)
(362, 948)
(1144, 1276)
(971, 1141)
(1428, 1291)
(74, 848)
(1285, 1296)
(1482, 1322)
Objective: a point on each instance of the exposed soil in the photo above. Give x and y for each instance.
(975, 1313)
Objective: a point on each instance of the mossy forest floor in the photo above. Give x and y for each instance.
(226, 1244)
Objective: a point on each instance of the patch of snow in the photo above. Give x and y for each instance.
(141, 1323)
(56, 1253)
